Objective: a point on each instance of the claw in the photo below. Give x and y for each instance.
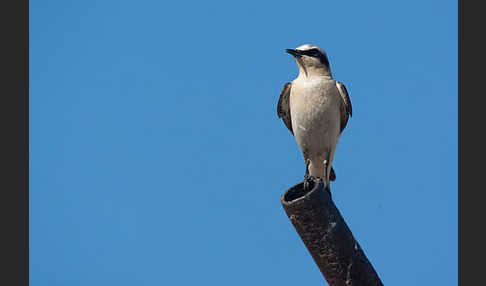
(309, 182)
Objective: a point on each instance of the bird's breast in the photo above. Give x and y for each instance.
(314, 108)
(311, 101)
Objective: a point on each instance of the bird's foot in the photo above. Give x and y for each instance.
(309, 182)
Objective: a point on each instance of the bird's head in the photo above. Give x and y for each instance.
(311, 60)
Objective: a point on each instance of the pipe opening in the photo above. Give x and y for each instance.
(297, 192)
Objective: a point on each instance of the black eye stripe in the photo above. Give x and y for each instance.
(312, 53)
(315, 53)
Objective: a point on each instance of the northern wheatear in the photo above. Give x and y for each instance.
(315, 108)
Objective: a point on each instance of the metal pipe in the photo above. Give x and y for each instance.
(327, 237)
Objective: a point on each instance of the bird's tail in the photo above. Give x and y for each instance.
(332, 175)
(318, 171)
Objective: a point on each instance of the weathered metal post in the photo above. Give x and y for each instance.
(327, 237)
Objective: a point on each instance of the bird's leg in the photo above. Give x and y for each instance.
(326, 179)
(327, 185)
(308, 179)
(307, 162)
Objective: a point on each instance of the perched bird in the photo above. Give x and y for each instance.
(315, 108)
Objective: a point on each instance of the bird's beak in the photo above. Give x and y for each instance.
(293, 52)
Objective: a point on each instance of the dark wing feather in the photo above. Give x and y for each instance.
(347, 108)
(332, 175)
(283, 107)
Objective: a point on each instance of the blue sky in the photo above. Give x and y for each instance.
(157, 158)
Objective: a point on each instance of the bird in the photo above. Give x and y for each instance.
(316, 109)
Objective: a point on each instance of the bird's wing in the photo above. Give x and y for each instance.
(347, 109)
(283, 107)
